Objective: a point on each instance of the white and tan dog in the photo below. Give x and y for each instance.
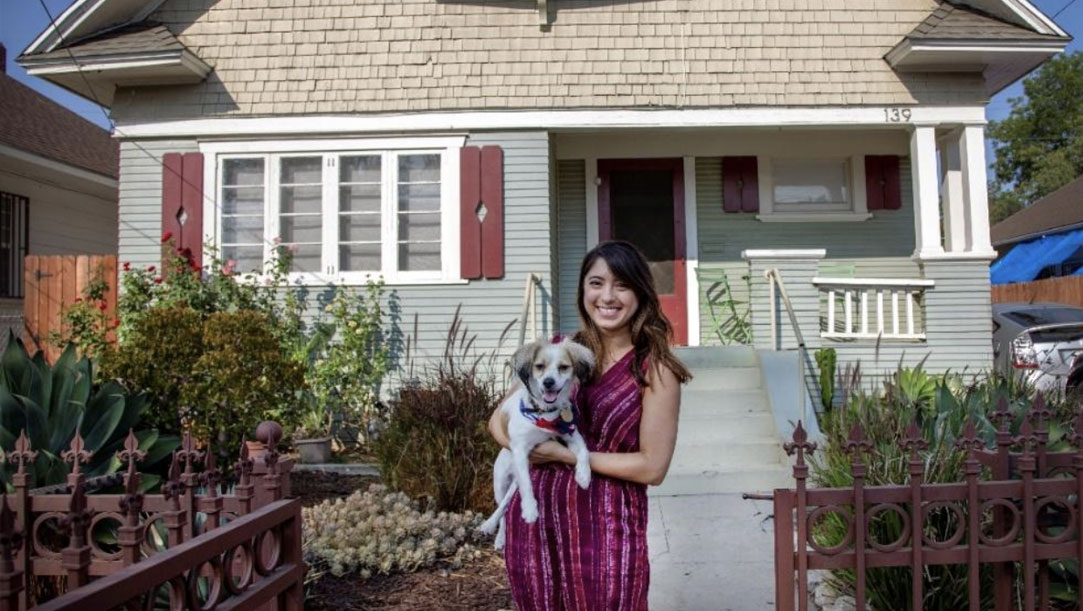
(540, 410)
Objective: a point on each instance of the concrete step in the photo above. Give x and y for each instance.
(723, 403)
(680, 482)
(714, 357)
(731, 378)
(728, 455)
(734, 427)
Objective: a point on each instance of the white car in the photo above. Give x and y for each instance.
(1039, 340)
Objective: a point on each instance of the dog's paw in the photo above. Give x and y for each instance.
(582, 476)
(530, 512)
(488, 527)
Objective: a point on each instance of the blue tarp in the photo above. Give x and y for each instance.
(1024, 262)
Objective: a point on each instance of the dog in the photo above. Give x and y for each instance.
(539, 410)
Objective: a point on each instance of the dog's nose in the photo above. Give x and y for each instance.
(549, 382)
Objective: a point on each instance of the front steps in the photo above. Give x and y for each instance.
(726, 439)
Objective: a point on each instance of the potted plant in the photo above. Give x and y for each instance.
(312, 438)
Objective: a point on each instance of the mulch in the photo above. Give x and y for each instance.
(480, 585)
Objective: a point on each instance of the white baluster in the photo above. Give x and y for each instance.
(880, 312)
(848, 306)
(895, 313)
(830, 311)
(910, 313)
(865, 311)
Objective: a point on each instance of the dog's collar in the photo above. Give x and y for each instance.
(564, 425)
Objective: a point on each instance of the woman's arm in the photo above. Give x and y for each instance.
(657, 437)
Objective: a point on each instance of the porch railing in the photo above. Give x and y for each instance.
(872, 308)
(775, 286)
(1026, 514)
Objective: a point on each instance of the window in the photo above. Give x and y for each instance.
(344, 214)
(14, 211)
(804, 185)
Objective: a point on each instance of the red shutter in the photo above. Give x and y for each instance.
(492, 196)
(469, 202)
(740, 185)
(182, 202)
(883, 188)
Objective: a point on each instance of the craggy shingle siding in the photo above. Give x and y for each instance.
(329, 56)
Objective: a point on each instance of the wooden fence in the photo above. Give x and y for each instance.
(1033, 497)
(197, 544)
(1066, 289)
(52, 283)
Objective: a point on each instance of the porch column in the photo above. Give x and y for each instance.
(972, 154)
(926, 193)
(952, 192)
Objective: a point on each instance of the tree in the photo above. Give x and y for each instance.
(1039, 146)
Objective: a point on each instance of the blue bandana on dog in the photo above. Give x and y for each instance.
(565, 425)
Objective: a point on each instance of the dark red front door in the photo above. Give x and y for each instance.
(642, 201)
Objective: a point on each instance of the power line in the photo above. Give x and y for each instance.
(1064, 8)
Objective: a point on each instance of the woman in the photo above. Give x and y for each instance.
(588, 549)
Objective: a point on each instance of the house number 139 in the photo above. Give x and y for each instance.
(897, 115)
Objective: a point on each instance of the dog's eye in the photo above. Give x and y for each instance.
(563, 368)
(539, 366)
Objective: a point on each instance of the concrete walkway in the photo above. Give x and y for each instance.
(711, 552)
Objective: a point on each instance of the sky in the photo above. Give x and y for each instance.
(22, 20)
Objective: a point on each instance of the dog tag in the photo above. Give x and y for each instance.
(566, 415)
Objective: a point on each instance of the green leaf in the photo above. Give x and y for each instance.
(100, 420)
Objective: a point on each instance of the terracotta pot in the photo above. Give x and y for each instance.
(313, 451)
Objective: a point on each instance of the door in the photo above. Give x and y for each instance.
(642, 201)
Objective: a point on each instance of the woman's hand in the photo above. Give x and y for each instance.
(551, 451)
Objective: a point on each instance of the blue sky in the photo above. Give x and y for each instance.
(21, 20)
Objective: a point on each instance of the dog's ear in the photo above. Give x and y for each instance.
(523, 360)
(582, 360)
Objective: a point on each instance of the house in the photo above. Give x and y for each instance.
(468, 149)
(1043, 240)
(58, 188)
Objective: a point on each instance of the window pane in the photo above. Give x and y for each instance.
(306, 258)
(302, 170)
(419, 257)
(809, 181)
(242, 172)
(242, 230)
(415, 227)
(301, 199)
(419, 198)
(359, 228)
(360, 169)
(247, 258)
(359, 257)
(359, 198)
(302, 228)
(419, 168)
(242, 200)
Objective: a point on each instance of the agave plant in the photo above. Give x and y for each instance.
(51, 402)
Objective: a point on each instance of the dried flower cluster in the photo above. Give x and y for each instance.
(379, 531)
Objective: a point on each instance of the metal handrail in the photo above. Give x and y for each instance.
(529, 297)
(774, 279)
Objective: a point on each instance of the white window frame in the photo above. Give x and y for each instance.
(855, 184)
(332, 149)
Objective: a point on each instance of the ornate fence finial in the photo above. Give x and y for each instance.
(800, 444)
(22, 453)
(272, 481)
(188, 453)
(131, 453)
(172, 488)
(132, 501)
(1074, 435)
(78, 519)
(211, 475)
(857, 444)
(1027, 438)
(969, 441)
(1002, 417)
(78, 454)
(244, 468)
(914, 442)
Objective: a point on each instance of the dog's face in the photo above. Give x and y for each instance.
(548, 370)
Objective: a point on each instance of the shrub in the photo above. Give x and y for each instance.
(941, 406)
(825, 360)
(382, 532)
(50, 403)
(436, 442)
(157, 357)
(241, 378)
(86, 323)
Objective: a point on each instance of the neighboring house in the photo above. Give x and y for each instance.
(58, 188)
(457, 146)
(1043, 240)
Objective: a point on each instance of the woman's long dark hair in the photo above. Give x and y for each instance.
(650, 330)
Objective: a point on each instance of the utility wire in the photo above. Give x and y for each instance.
(1063, 8)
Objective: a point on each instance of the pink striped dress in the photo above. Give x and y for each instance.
(588, 549)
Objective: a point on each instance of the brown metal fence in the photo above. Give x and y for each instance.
(1067, 289)
(231, 543)
(1016, 526)
(52, 283)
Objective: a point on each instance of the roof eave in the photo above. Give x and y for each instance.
(95, 77)
(1002, 62)
(89, 17)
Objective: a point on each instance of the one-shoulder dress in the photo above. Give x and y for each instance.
(588, 549)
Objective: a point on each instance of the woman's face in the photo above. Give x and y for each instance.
(609, 303)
